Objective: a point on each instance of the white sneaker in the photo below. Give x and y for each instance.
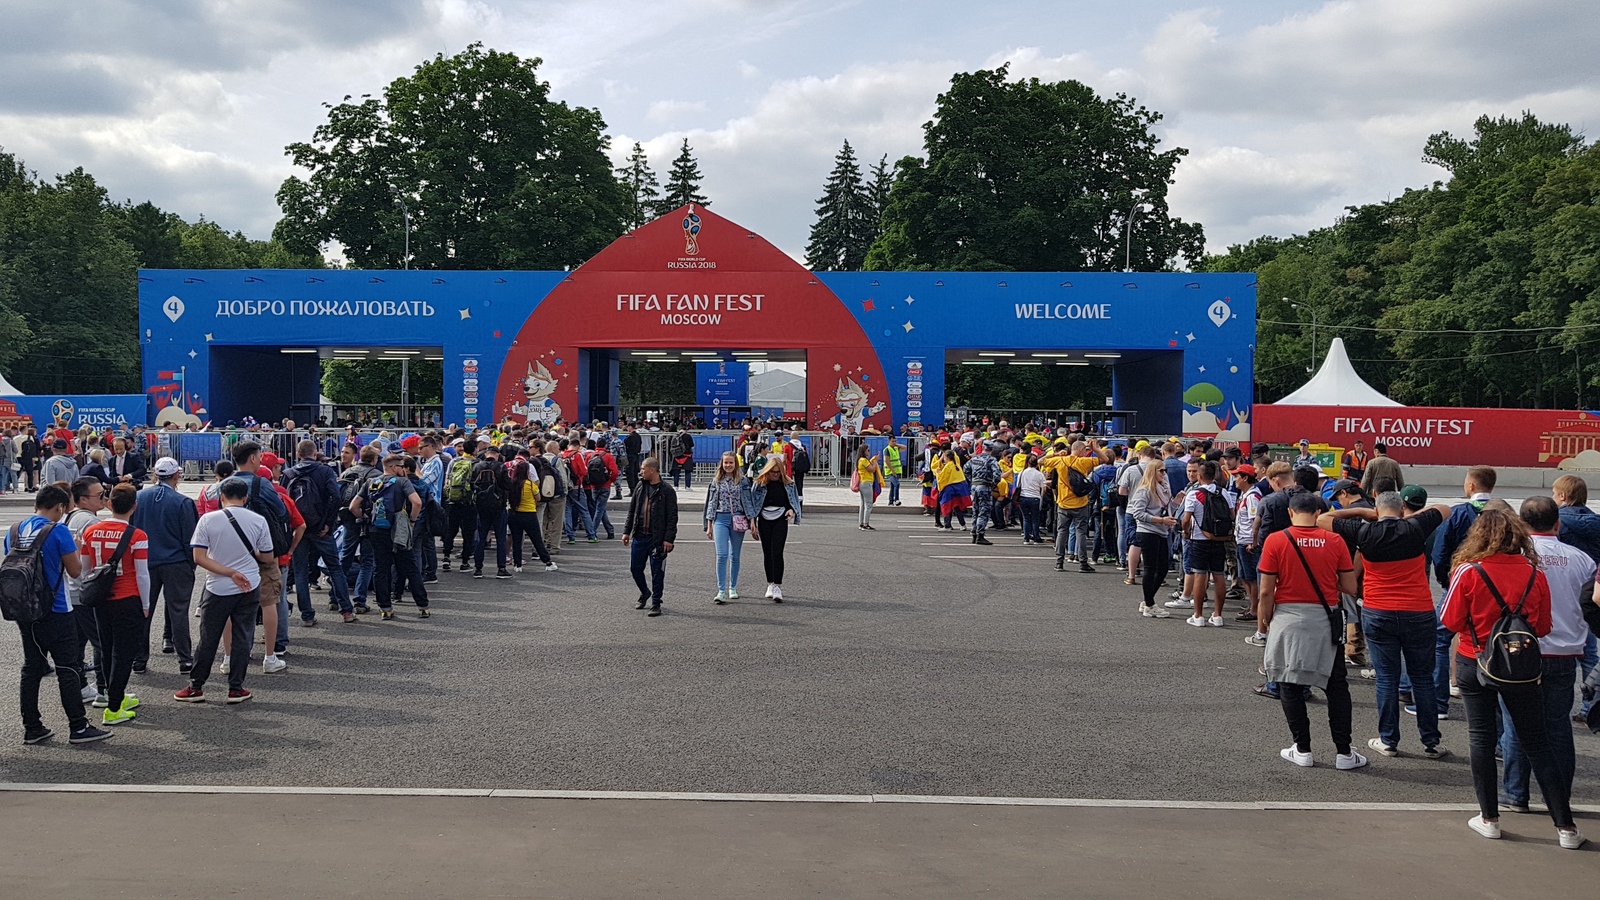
(1256, 640)
(101, 700)
(1351, 760)
(1179, 603)
(1178, 594)
(1159, 612)
(1455, 691)
(273, 665)
(721, 597)
(1490, 830)
(1570, 840)
(1387, 750)
(733, 593)
(1293, 754)
(517, 569)
(88, 693)
(551, 568)
(777, 592)
(223, 669)
(1217, 622)
(770, 588)
(1196, 621)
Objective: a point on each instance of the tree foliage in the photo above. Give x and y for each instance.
(640, 190)
(492, 172)
(1003, 388)
(1030, 175)
(1479, 291)
(683, 183)
(377, 381)
(847, 218)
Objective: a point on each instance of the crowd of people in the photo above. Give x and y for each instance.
(1333, 574)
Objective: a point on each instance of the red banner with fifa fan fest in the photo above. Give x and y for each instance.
(1441, 436)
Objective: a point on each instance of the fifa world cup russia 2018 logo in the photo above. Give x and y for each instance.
(691, 233)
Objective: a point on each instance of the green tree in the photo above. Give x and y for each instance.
(683, 183)
(1030, 175)
(68, 299)
(846, 221)
(377, 381)
(878, 187)
(492, 172)
(1002, 389)
(640, 189)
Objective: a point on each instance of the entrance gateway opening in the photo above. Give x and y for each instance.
(329, 386)
(876, 347)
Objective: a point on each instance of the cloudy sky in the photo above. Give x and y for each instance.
(1291, 110)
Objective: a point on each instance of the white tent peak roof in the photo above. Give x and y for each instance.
(1336, 384)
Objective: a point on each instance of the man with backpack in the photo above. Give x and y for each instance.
(381, 508)
(1207, 524)
(578, 513)
(618, 448)
(553, 508)
(801, 462)
(461, 515)
(352, 481)
(600, 473)
(315, 491)
(40, 556)
(682, 450)
(1073, 489)
(1479, 490)
(491, 486)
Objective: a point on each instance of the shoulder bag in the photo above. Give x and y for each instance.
(95, 589)
(1335, 613)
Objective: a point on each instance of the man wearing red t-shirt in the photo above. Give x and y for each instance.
(1397, 612)
(120, 619)
(1303, 569)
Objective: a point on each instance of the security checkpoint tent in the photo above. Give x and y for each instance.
(6, 388)
(1336, 384)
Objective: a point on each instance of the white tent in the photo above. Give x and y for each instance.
(6, 390)
(1336, 384)
(778, 387)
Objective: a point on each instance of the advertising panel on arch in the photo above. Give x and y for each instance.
(871, 348)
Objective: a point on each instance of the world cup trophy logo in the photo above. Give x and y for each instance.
(61, 411)
(691, 233)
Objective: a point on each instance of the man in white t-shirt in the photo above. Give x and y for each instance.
(228, 543)
(1570, 572)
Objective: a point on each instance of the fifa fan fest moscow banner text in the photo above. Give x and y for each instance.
(1441, 436)
(543, 346)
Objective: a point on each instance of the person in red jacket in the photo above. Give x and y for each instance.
(1497, 556)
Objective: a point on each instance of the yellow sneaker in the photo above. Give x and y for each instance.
(116, 716)
(129, 703)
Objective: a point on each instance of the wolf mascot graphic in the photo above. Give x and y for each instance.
(538, 388)
(853, 408)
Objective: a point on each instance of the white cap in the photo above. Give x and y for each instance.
(166, 467)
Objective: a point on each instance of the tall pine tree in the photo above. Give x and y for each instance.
(641, 189)
(878, 188)
(683, 183)
(846, 219)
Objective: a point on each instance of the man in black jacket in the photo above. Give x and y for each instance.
(126, 463)
(652, 527)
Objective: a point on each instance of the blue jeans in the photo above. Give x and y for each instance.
(1030, 518)
(8, 478)
(730, 546)
(1125, 538)
(306, 555)
(1560, 675)
(643, 550)
(1391, 638)
(894, 489)
(1591, 658)
(578, 515)
(597, 511)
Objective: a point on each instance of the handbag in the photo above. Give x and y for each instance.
(740, 523)
(95, 589)
(1335, 619)
(855, 482)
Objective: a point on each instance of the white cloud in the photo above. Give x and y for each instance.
(672, 110)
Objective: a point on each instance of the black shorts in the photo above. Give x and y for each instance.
(1206, 557)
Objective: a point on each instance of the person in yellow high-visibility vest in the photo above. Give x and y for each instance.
(892, 464)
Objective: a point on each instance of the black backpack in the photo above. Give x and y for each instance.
(486, 492)
(802, 460)
(1216, 517)
(1511, 654)
(277, 526)
(26, 594)
(596, 474)
(1078, 483)
(311, 499)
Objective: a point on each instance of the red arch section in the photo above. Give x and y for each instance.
(693, 280)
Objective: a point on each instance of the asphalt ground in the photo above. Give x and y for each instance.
(904, 661)
(396, 848)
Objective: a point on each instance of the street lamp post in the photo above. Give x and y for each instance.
(1313, 310)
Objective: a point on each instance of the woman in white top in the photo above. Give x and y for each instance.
(1152, 510)
(1030, 487)
(773, 492)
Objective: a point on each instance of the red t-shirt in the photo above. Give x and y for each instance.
(100, 544)
(1468, 598)
(1325, 553)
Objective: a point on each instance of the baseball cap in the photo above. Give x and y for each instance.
(1346, 484)
(59, 444)
(270, 459)
(166, 467)
(1245, 469)
(1304, 442)
(1415, 496)
(264, 472)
